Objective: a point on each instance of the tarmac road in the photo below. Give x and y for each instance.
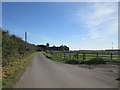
(45, 73)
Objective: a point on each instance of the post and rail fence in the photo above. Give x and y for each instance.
(111, 57)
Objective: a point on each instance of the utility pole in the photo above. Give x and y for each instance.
(25, 36)
(112, 45)
(25, 40)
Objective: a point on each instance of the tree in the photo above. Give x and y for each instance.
(47, 45)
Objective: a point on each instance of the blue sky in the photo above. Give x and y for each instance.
(83, 25)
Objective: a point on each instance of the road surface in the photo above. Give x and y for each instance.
(45, 73)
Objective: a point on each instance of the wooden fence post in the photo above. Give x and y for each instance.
(70, 55)
(84, 56)
(111, 56)
(53, 54)
(77, 55)
(56, 54)
(67, 55)
(64, 55)
(60, 54)
(97, 55)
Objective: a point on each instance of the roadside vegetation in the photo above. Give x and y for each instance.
(47, 55)
(14, 47)
(16, 55)
(13, 71)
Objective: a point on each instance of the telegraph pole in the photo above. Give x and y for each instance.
(112, 45)
(25, 36)
(25, 40)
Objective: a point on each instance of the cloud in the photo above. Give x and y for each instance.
(100, 19)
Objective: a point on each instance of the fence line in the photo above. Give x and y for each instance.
(84, 56)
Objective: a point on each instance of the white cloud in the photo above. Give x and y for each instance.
(100, 19)
(99, 23)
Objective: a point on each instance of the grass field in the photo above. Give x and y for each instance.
(112, 57)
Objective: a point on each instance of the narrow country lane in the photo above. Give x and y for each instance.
(45, 73)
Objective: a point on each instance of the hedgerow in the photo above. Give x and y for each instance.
(13, 47)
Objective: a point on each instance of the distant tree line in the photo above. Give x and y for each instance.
(53, 48)
(13, 47)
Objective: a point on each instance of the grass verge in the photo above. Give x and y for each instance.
(13, 71)
(47, 55)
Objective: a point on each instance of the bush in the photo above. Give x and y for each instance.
(49, 57)
(95, 61)
(82, 62)
(72, 61)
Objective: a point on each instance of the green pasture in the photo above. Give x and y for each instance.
(62, 56)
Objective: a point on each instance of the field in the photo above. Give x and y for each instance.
(107, 56)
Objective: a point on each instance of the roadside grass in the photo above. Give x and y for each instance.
(47, 55)
(53, 58)
(13, 71)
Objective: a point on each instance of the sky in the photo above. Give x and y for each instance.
(79, 25)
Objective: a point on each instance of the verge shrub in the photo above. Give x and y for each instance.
(72, 61)
(47, 55)
(95, 61)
